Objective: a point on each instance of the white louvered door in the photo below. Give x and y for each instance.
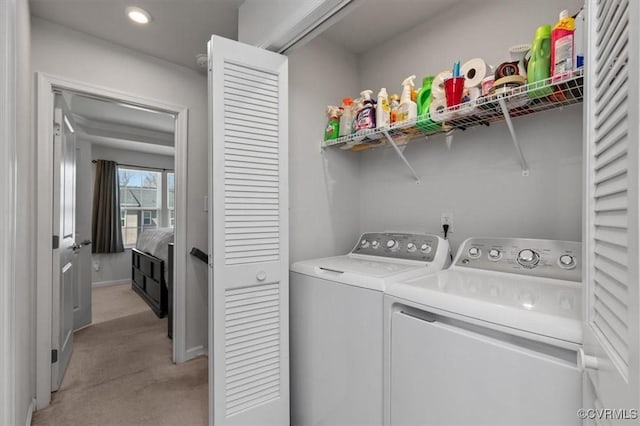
(611, 234)
(249, 236)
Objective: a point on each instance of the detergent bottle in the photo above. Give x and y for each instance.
(562, 47)
(394, 103)
(332, 131)
(539, 67)
(408, 109)
(383, 111)
(346, 119)
(366, 118)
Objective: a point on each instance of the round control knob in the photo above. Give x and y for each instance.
(425, 248)
(411, 247)
(528, 258)
(474, 252)
(364, 243)
(567, 261)
(393, 245)
(495, 254)
(375, 244)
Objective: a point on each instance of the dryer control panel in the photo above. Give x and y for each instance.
(421, 247)
(538, 258)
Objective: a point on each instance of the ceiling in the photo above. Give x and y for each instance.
(179, 29)
(363, 29)
(122, 126)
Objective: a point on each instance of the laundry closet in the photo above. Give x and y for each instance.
(505, 194)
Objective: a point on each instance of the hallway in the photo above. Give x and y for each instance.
(121, 371)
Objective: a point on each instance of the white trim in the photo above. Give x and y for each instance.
(195, 352)
(8, 193)
(45, 85)
(30, 410)
(110, 283)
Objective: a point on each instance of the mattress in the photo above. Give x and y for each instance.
(156, 242)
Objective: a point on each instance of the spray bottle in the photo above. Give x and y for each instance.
(366, 118)
(333, 125)
(408, 109)
(383, 111)
(346, 119)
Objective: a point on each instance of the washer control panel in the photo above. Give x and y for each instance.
(421, 247)
(538, 258)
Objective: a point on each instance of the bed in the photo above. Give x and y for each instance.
(150, 268)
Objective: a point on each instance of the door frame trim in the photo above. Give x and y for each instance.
(8, 193)
(45, 86)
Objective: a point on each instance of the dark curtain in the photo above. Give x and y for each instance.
(106, 230)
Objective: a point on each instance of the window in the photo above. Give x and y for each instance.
(171, 194)
(140, 202)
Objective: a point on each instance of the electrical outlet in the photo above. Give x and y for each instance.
(96, 265)
(447, 219)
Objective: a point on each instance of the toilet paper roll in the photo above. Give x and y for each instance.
(437, 87)
(437, 110)
(474, 71)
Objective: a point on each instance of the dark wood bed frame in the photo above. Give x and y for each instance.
(147, 279)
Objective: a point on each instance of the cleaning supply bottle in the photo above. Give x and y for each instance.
(383, 111)
(355, 110)
(346, 119)
(366, 118)
(332, 131)
(562, 47)
(424, 95)
(394, 103)
(539, 68)
(408, 109)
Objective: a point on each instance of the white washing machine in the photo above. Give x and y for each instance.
(492, 340)
(336, 325)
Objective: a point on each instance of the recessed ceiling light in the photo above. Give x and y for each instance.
(137, 15)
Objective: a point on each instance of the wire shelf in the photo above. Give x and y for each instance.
(516, 102)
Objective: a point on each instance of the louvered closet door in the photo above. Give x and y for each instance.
(612, 328)
(249, 303)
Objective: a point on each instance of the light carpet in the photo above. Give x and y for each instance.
(121, 374)
(115, 301)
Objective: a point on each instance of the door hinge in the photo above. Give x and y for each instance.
(54, 356)
(55, 242)
(56, 129)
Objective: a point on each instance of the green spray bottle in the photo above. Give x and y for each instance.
(332, 131)
(424, 102)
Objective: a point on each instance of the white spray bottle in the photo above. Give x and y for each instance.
(366, 118)
(408, 110)
(383, 111)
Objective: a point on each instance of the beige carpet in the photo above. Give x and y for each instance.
(121, 374)
(115, 301)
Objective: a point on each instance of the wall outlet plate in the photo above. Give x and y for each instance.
(446, 219)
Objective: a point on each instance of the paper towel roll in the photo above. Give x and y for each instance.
(474, 71)
(437, 110)
(437, 87)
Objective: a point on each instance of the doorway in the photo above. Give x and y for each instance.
(47, 305)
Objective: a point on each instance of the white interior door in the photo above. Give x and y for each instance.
(248, 239)
(611, 235)
(64, 247)
(82, 283)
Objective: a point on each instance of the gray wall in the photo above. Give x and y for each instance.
(117, 266)
(25, 323)
(323, 186)
(66, 53)
(478, 179)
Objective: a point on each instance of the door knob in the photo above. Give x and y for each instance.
(75, 246)
(261, 276)
(587, 361)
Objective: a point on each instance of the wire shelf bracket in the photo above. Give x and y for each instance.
(514, 138)
(401, 155)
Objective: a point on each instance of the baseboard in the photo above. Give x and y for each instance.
(110, 283)
(194, 352)
(30, 410)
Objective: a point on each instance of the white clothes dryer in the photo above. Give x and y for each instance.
(493, 340)
(336, 325)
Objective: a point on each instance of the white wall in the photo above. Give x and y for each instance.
(71, 54)
(479, 179)
(117, 266)
(323, 185)
(25, 244)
